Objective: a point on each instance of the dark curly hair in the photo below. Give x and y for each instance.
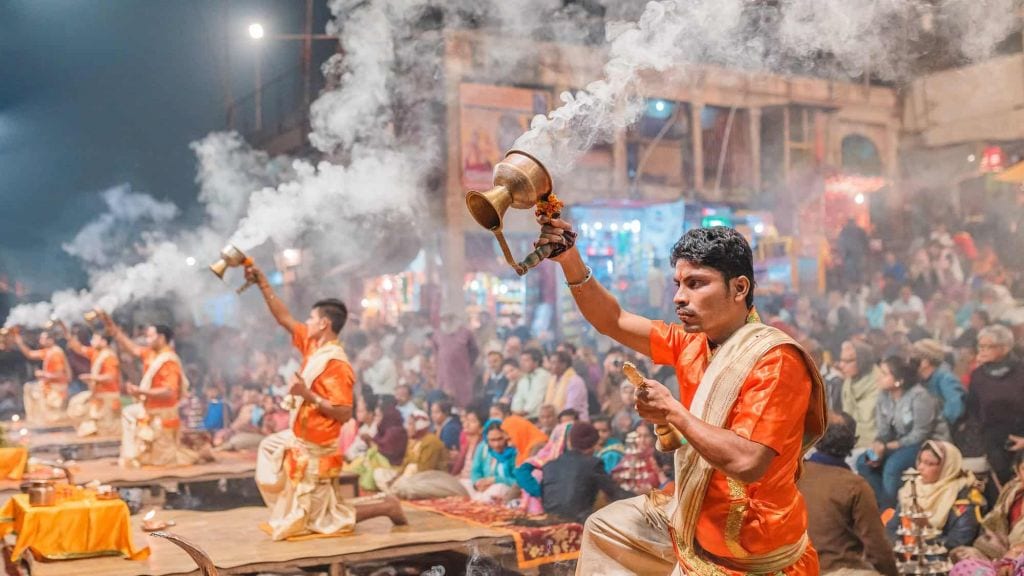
(721, 248)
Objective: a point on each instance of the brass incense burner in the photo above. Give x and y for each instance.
(231, 257)
(521, 182)
(92, 315)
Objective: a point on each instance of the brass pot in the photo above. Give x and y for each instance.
(40, 492)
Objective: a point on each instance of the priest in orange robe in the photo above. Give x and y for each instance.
(751, 404)
(151, 428)
(96, 411)
(295, 467)
(46, 396)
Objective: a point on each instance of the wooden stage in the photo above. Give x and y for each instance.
(70, 446)
(106, 471)
(236, 544)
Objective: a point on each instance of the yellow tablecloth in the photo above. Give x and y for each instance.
(12, 462)
(71, 529)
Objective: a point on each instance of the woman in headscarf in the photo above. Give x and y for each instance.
(491, 479)
(639, 471)
(906, 415)
(386, 448)
(946, 492)
(528, 475)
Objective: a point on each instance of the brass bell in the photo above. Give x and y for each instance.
(520, 181)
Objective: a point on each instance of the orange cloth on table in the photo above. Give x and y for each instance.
(167, 377)
(771, 410)
(13, 460)
(71, 529)
(334, 384)
(523, 435)
(111, 367)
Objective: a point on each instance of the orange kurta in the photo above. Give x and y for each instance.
(757, 518)
(335, 384)
(54, 362)
(167, 377)
(111, 367)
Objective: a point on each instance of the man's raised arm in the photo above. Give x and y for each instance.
(277, 308)
(598, 306)
(122, 339)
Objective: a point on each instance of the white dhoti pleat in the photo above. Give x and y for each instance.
(310, 504)
(620, 540)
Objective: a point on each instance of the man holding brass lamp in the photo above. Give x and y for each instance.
(752, 403)
(294, 467)
(46, 396)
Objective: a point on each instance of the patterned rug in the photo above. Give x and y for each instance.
(539, 540)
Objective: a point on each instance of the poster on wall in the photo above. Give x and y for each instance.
(491, 118)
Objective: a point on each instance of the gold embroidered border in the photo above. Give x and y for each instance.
(734, 521)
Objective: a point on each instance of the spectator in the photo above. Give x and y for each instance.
(244, 432)
(547, 418)
(216, 417)
(523, 435)
(406, 406)
(494, 383)
(568, 416)
(995, 402)
(938, 379)
(424, 452)
(529, 474)
(456, 352)
(472, 433)
(570, 483)
(447, 426)
(532, 384)
(908, 307)
(491, 479)
(860, 389)
(843, 521)
(832, 378)
(906, 416)
(386, 449)
(377, 369)
(1002, 529)
(640, 472)
(366, 425)
(609, 448)
(567, 389)
(947, 493)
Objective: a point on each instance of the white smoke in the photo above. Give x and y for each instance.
(379, 128)
(105, 240)
(871, 37)
(229, 171)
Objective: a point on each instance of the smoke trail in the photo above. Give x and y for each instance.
(108, 238)
(846, 38)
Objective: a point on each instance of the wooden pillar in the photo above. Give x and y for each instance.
(696, 110)
(786, 154)
(755, 148)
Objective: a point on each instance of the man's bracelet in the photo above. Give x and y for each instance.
(587, 278)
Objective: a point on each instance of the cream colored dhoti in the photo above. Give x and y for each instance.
(308, 503)
(95, 413)
(620, 539)
(44, 408)
(145, 441)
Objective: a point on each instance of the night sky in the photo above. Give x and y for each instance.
(96, 93)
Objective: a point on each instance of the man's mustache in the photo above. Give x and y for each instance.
(684, 311)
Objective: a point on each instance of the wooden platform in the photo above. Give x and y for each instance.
(69, 445)
(236, 544)
(106, 471)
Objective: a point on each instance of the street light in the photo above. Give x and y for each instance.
(256, 30)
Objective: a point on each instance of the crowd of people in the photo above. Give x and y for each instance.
(919, 353)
